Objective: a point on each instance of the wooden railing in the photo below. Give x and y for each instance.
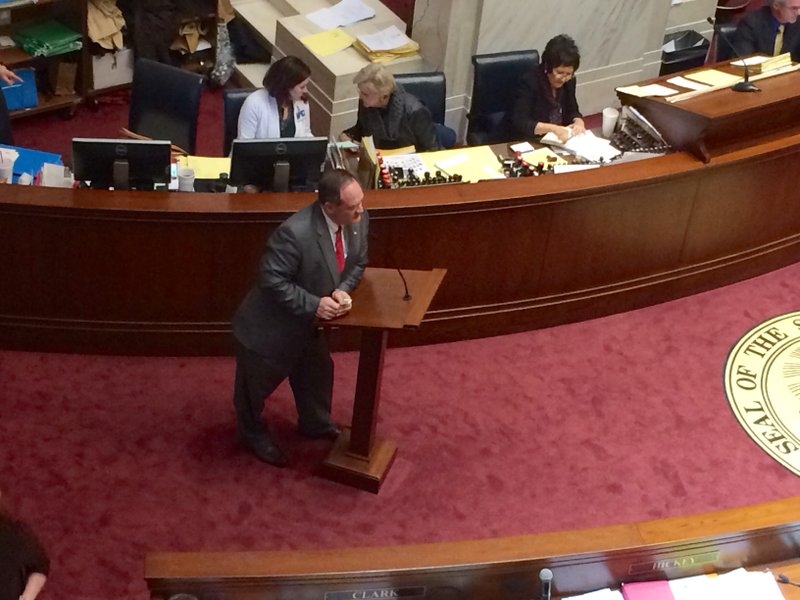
(581, 560)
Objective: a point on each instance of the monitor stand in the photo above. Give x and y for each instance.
(121, 174)
(280, 178)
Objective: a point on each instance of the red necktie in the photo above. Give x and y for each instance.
(339, 250)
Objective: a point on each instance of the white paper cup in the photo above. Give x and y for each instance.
(610, 116)
(186, 180)
(6, 170)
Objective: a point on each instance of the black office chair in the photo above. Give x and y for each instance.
(232, 101)
(6, 136)
(165, 103)
(720, 48)
(431, 90)
(494, 86)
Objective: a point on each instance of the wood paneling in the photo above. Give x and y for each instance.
(162, 273)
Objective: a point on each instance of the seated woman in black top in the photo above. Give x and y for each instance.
(394, 118)
(545, 99)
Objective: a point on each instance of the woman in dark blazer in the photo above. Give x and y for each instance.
(545, 99)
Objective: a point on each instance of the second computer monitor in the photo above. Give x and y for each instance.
(122, 163)
(280, 164)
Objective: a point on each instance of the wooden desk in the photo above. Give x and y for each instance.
(752, 537)
(162, 273)
(714, 122)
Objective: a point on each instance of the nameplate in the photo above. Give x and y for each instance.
(377, 593)
(672, 563)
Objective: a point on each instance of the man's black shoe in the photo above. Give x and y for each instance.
(268, 452)
(327, 434)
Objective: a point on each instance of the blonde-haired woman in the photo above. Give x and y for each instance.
(393, 117)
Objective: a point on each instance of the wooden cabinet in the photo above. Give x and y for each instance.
(72, 13)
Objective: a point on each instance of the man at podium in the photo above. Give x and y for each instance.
(311, 263)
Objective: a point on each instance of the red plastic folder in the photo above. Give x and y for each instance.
(647, 590)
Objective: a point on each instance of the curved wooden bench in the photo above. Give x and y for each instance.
(161, 273)
(581, 560)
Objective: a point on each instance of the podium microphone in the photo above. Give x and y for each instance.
(546, 579)
(741, 86)
(407, 297)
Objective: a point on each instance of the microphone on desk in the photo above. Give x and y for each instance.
(784, 579)
(745, 85)
(546, 579)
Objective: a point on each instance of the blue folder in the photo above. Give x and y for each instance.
(31, 161)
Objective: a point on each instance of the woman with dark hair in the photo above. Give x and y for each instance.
(280, 108)
(545, 100)
(23, 562)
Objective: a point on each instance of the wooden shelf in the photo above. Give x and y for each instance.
(46, 104)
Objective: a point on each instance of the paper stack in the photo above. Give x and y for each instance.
(386, 45)
(762, 64)
(585, 145)
(735, 585)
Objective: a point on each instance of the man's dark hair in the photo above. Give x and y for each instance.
(331, 183)
(561, 50)
(283, 75)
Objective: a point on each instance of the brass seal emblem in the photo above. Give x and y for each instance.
(762, 383)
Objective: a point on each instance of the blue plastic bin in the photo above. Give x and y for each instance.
(21, 94)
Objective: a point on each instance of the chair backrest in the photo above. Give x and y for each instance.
(6, 136)
(165, 103)
(232, 101)
(494, 86)
(429, 88)
(721, 42)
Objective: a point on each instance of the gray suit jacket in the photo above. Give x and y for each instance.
(276, 318)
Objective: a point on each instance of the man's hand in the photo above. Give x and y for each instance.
(330, 309)
(8, 75)
(343, 298)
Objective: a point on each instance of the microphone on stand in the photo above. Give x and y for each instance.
(741, 86)
(546, 579)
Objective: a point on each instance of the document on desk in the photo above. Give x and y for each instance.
(688, 83)
(604, 594)
(585, 145)
(739, 584)
(341, 14)
(328, 42)
(206, 167)
(474, 163)
(644, 91)
(713, 77)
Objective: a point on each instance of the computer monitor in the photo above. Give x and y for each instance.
(279, 164)
(124, 164)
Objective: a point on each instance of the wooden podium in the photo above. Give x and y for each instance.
(357, 458)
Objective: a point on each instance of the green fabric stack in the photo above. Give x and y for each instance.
(48, 39)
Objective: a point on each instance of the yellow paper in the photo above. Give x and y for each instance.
(543, 155)
(206, 167)
(396, 151)
(713, 77)
(328, 42)
(476, 163)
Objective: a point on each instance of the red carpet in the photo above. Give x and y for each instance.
(52, 132)
(613, 420)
